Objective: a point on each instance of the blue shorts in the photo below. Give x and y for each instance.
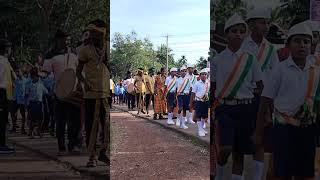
(35, 110)
(201, 109)
(294, 151)
(236, 126)
(171, 100)
(183, 102)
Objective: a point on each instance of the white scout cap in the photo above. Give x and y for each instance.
(190, 66)
(183, 68)
(259, 13)
(234, 20)
(173, 69)
(313, 25)
(301, 28)
(205, 70)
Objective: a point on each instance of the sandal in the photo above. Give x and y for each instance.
(92, 163)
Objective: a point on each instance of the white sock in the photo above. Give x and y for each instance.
(257, 170)
(188, 115)
(219, 175)
(170, 115)
(236, 177)
(203, 123)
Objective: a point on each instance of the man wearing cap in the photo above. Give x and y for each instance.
(234, 72)
(200, 94)
(183, 90)
(57, 61)
(170, 85)
(92, 62)
(266, 54)
(291, 87)
(149, 88)
(5, 87)
(192, 80)
(139, 84)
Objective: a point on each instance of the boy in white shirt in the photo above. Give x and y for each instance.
(234, 73)
(170, 85)
(200, 94)
(293, 88)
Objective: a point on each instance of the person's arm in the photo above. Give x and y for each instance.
(80, 77)
(263, 115)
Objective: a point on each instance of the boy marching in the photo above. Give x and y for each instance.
(170, 85)
(234, 73)
(200, 95)
(293, 88)
(192, 80)
(183, 88)
(266, 54)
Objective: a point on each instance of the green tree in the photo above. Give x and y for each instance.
(202, 63)
(182, 61)
(161, 55)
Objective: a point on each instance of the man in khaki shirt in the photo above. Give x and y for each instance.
(97, 89)
(149, 88)
(139, 84)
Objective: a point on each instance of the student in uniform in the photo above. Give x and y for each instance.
(192, 79)
(170, 85)
(35, 93)
(183, 90)
(291, 87)
(266, 54)
(200, 93)
(234, 73)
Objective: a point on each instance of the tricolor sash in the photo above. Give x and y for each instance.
(193, 79)
(310, 106)
(264, 54)
(171, 85)
(235, 78)
(183, 85)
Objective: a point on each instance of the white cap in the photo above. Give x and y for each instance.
(259, 13)
(183, 68)
(234, 20)
(205, 70)
(301, 28)
(173, 69)
(313, 25)
(190, 66)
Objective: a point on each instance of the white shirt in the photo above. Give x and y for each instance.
(129, 81)
(287, 86)
(179, 84)
(252, 47)
(191, 78)
(200, 88)
(58, 64)
(223, 64)
(3, 65)
(168, 81)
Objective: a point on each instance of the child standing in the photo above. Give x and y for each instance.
(19, 100)
(35, 94)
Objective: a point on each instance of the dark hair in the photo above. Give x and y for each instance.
(34, 72)
(162, 69)
(98, 23)
(3, 45)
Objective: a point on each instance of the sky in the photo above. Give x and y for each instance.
(187, 22)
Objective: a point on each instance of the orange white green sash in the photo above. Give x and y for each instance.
(235, 78)
(193, 79)
(183, 85)
(264, 54)
(311, 102)
(171, 85)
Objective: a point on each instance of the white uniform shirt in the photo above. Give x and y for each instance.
(200, 88)
(168, 81)
(3, 65)
(192, 78)
(287, 86)
(250, 46)
(223, 64)
(179, 84)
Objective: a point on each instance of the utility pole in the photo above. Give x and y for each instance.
(167, 36)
